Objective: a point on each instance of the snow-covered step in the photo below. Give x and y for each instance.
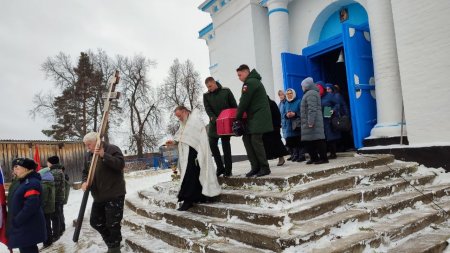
(272, 238)
(394, 229)
(297, 173)
(141, 241)
(175, 239)
(256, 235)
(427, 242)
(300, 210)
(316, 187)
(322, 204)
(313, 229)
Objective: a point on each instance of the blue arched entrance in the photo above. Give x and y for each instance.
(354, 75)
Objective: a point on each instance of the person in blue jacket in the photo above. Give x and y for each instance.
(331, 135)
(26, 222)
(291, 112)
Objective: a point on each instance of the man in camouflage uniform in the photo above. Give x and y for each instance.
(254, 102)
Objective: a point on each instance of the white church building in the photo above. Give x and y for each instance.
(390, 58)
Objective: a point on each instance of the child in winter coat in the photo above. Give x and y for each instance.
(57, 171)
(48, 201)
(26, 222)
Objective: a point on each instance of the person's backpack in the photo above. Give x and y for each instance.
(66, 188)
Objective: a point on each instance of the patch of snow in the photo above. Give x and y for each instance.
(422, 145)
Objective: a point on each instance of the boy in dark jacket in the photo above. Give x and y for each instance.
(57, 171)
(215, 101)
(48, 202)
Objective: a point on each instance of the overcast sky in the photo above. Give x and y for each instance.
(31, 31)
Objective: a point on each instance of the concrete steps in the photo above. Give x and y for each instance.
(300, 210)
(375, 234)
(296, 208)
(192, 232)
(282, 178)
(434, 241)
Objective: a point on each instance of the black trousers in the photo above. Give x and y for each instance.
(226, 147)
(106, 217)
(56, 220)
(48, 226)
(317, 148)
(191, 189)
(331, 146)
(63, 220)
(29, 249)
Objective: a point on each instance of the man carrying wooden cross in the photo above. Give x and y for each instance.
(107, 189)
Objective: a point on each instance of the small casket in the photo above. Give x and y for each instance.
(225, 121)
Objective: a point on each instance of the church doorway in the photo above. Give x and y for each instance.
(333, 71)
(355, 76)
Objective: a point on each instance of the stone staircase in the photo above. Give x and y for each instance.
(352, 204)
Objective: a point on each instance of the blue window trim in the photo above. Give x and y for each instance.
(204, 8)
(205, 30)
(278, 10)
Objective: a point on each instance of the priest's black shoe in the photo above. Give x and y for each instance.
(321, 161)
(227, 174)
(262, 173)
(220, 171)
(185, 206)
(252, 172)
(311, 161)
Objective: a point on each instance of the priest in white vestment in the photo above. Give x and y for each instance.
(198, 174)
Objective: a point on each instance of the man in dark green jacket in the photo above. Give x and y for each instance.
(254, 102)
(215, 100)
(107, 189)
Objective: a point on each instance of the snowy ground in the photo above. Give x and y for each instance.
(90, 241)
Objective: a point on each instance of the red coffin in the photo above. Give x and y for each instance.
(225, 121)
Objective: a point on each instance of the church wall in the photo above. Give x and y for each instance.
(423, 46)
(262, 47)
(307, 18)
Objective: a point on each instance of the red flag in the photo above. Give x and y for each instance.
(2, 209)
(36, 158)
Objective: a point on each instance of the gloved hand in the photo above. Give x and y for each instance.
(238, 127)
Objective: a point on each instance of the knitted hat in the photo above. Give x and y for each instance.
(53, 159)
(329, 85)
(25, 162)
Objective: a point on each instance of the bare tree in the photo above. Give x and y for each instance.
(43, 105)
(106, 66)
(182, 86)
(60, 70)
(141, 101)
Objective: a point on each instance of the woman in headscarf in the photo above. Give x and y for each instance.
(291, 113)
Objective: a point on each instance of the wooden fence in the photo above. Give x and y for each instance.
(70, 153)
